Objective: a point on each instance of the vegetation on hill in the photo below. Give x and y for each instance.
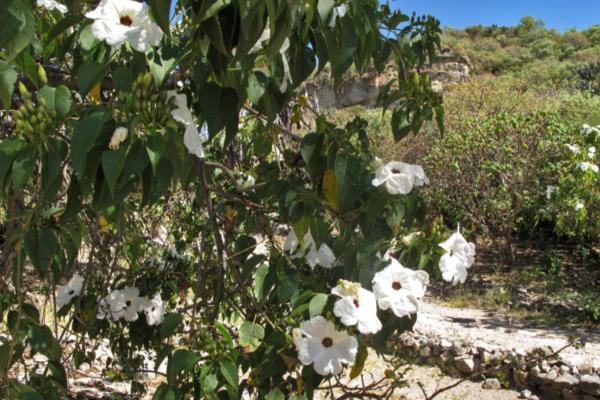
(541, 55)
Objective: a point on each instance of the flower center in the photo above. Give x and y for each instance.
(126, 20)
(396, 285)
(356, 303)
(153, 308)
(128, 303)
(327, 342)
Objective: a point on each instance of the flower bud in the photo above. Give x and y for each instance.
(147, 81)
(42, 75)
(23, 90)
(118, 137)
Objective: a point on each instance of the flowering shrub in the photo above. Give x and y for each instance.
(574, 198)
(163, 241)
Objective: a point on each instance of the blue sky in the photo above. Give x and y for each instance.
(558, 14)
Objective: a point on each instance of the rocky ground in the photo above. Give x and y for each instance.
(469, 327)
(500, 331)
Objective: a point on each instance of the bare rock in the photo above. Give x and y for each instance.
(571, 394)
(425, 352)
(465, 364)
(525, 394)
(565, 381)
(549, 393)
(590, 384)
(491, 384)
(520, 378)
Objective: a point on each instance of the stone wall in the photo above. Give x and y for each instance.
(540, 373)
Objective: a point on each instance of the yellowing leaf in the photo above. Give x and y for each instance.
(330, 189)
(104, 224)
(95, 93)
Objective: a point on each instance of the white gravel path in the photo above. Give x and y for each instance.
(499, 331)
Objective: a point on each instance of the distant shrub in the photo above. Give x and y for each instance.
(492, 171)
(573, 202)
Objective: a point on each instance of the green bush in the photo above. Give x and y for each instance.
(492, 172)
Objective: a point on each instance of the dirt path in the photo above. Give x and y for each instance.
(499, 331)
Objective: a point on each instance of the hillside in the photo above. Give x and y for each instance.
(530, 50)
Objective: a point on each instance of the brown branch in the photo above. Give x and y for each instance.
(200, 170)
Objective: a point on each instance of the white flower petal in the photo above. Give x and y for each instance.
(325, 347)
(120, 21)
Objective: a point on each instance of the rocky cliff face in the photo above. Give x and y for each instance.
(449, 67)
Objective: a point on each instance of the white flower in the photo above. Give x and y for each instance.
(191, 138)
(586, 165)
(322, 256)
(261, 247)
(120, 21)
(291, 241)
(459, 257)
(357, 306)
(591, 152)
(588, 130)
(66, 293)
(118, 137)
(265, 36)
(579, 206)
(155, 310)
(399, 177)
(119, 304)
(325, 347)
(573, 147)
(338, 12)
(399, 288)
(246, 183)
(52, 5)
(550, 190)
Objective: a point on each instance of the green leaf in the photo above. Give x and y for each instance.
(57, 99)
(220, 108)
(182, 361)
(317, 304)
(325, 7)
(251, 336)
(400, 124)
(85, 134)
(359, 361)
(112, 165)
(287, 282)
(17, 25)
(122, 78)
(160, 66)
(8, 151)
(260, 290)
(275, 394)
(63, 100)
(230, 372)
(160, 12)
(170, 324)
(40, 245)
(8, 78)
(166, 392)
(43, 341)
(22, 170)
(89, 75)
(257, 84)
